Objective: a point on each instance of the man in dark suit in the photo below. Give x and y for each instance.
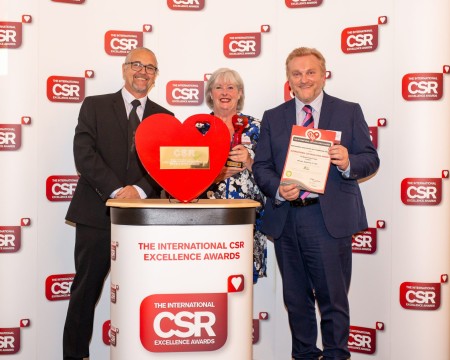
(313, 234)
(108, 166)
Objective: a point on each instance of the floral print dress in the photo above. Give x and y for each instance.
(243, 186)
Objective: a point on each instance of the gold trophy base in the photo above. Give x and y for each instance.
(237, 164)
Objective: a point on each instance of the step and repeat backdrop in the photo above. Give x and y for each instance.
(392, 57)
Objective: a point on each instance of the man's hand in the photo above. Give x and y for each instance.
(128, 192)
(339, 156)
(289, 192)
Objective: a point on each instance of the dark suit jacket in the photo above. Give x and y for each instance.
(342, 205)
(101, 154)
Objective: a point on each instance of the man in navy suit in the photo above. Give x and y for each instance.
(313, 234)
(108, 168)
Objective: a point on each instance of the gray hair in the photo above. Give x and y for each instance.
(227, 75)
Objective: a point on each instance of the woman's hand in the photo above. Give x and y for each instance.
(240, 154)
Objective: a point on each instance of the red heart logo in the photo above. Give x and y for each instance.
(183, 158)
(312, 135)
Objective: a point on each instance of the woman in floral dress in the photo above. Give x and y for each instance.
(225, 96)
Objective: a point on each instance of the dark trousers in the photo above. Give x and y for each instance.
(315, 267)
(92, 263)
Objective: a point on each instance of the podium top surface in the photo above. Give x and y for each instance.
(175, 204)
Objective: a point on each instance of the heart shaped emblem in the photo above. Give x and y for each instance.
(183, 158)
(312, 135)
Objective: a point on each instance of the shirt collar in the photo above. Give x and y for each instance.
(316, 104)
(129, 98)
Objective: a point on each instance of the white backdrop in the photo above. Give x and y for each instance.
(67, 38)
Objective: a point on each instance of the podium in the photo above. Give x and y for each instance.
(181, 279)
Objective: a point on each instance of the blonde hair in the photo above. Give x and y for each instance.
(305, 51)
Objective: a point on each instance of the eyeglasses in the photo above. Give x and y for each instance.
(137, 66)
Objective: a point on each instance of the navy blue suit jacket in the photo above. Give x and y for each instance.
(341, 204)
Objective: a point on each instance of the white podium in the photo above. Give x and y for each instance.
(181, 279)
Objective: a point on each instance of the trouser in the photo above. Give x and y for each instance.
(92, 263)
(315, 267)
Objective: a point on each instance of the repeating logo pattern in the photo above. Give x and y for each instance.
(186, 93)
(418, 86)
(421, 191)
(364, 340)
(119, 43)
(293, 4)
(420, 296)
(10, 137)
(190, 5)
(57, 287)
(422, 86)
(61, 187)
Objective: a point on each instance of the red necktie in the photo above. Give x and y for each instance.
(308, 122)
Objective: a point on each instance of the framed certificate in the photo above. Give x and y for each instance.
(307, 161)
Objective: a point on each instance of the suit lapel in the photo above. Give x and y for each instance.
(120, 112)
(149, 108)
(290, 117)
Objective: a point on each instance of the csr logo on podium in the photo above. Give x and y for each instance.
(184, 322)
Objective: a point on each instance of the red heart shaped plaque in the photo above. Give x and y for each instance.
(183, 158)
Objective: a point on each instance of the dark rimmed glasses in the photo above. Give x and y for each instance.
(137, 66)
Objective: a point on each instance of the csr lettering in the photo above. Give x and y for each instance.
(360, 40)
(7, 36)
(421, 192)
(66, 90)
(7, 138)
(242, 46)
(363, 241)
(185, 324)
(359, 340)
(62, 287)
(420, 297)
(64, 188)
(123, 44)
(7, 342)
(185, 94)
(422, 87)
(7, 240)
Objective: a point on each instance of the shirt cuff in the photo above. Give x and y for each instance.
(345, 173)
(141, 192)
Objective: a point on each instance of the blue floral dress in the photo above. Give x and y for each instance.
(243, 186)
